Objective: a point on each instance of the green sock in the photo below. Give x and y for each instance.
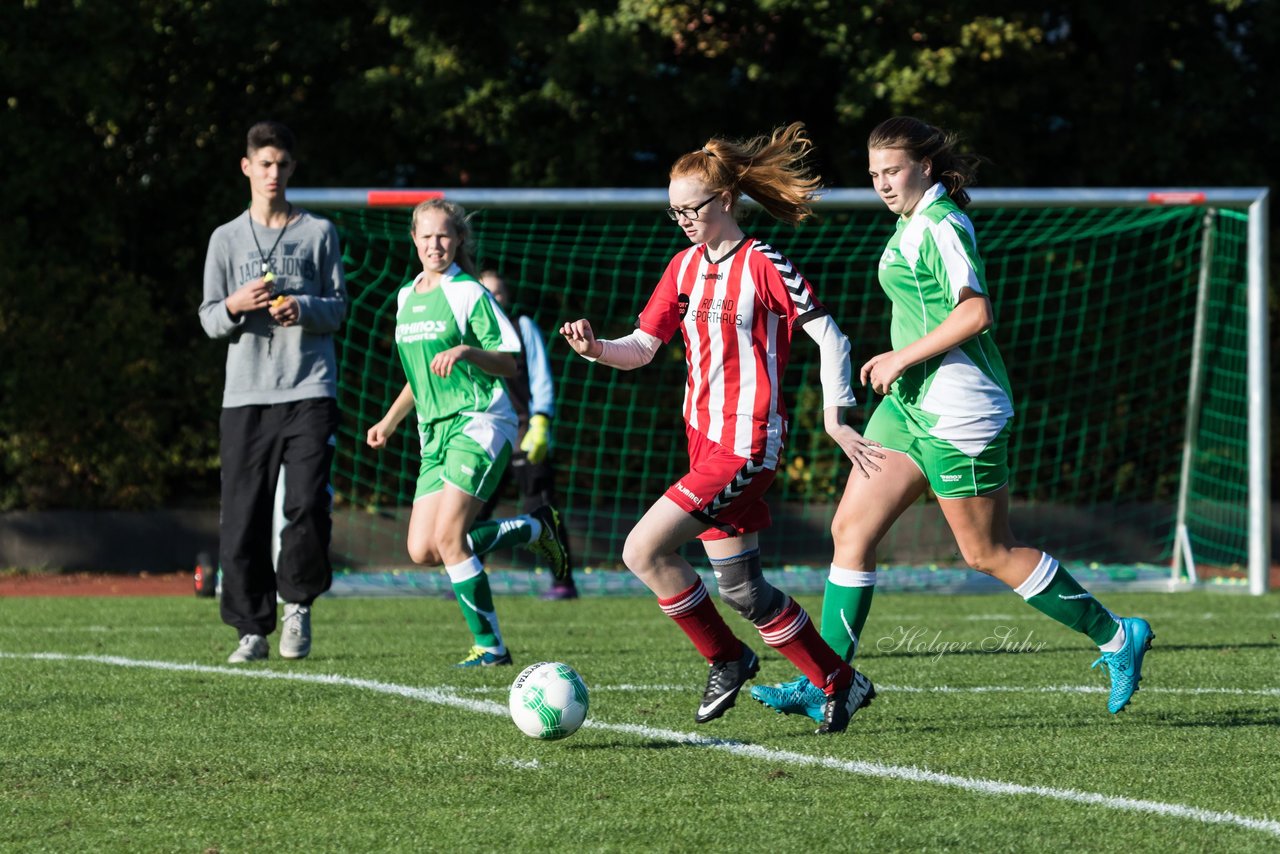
(496, 533)
(1052, 591)
(475, 598)
(846, 601)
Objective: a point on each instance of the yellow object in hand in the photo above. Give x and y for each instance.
(537, 439)
(269, 277)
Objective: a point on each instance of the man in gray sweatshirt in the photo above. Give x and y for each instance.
(274, 289)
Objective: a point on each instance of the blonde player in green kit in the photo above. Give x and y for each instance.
(456, 345)
(945, 420)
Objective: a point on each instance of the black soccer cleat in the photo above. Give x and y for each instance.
(723, 684)
(843, 703)
(550, 544)
(562, 534)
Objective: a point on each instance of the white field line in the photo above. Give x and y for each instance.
(865, 769)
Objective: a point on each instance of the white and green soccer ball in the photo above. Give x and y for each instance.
(548, 700)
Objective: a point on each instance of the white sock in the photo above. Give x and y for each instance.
(469, 568)
(842, 577)
(1117, 642)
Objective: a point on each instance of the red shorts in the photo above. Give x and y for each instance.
(722, 489)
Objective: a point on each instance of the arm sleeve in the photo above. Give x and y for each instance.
(542, 393)
(836, 372)
(634, 351)
(786, 292)
(323, 313)
(215, 320)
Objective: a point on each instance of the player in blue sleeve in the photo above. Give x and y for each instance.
(533, 462)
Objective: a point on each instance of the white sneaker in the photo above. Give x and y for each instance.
(251, 648)
(295, 632)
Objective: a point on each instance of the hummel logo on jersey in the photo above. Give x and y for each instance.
(417, 308)
(688, 493)
(715, 277)
(1077, 596)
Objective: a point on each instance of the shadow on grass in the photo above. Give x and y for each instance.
(704, 741)
(1211, 647)
(1223, 719)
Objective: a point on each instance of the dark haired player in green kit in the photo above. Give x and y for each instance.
(945, 420)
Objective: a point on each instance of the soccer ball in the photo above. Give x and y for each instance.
(548, 700)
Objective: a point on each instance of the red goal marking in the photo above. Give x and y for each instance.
(1191, 197)
(400, 198)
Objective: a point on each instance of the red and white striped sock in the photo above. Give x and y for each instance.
(792, 633)
(696, 615)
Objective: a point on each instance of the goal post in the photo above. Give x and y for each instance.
(1133, 322)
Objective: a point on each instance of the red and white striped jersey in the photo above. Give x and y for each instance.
(737, 315)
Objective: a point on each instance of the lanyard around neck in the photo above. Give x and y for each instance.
(267, 263)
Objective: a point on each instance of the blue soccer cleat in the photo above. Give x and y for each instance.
(797, 697)
(1125, 666)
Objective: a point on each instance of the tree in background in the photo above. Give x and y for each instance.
(120, 120)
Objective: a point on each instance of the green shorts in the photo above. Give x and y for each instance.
(960, 457)
(460, 451)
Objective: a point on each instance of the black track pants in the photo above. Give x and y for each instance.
(255, 442)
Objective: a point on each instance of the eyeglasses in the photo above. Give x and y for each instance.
(674, 214)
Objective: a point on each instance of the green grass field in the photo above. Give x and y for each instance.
(124, 730)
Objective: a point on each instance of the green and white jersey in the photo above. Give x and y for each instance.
(458, 311)
(931, 257)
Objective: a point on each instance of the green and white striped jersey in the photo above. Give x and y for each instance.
(931, 257)
(458, 311)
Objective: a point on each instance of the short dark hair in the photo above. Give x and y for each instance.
(270, 134)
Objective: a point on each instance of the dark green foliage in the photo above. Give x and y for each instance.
(123, 122)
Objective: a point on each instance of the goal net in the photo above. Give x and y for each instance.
(1123, 318)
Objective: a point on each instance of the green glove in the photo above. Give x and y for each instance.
(537, 439)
